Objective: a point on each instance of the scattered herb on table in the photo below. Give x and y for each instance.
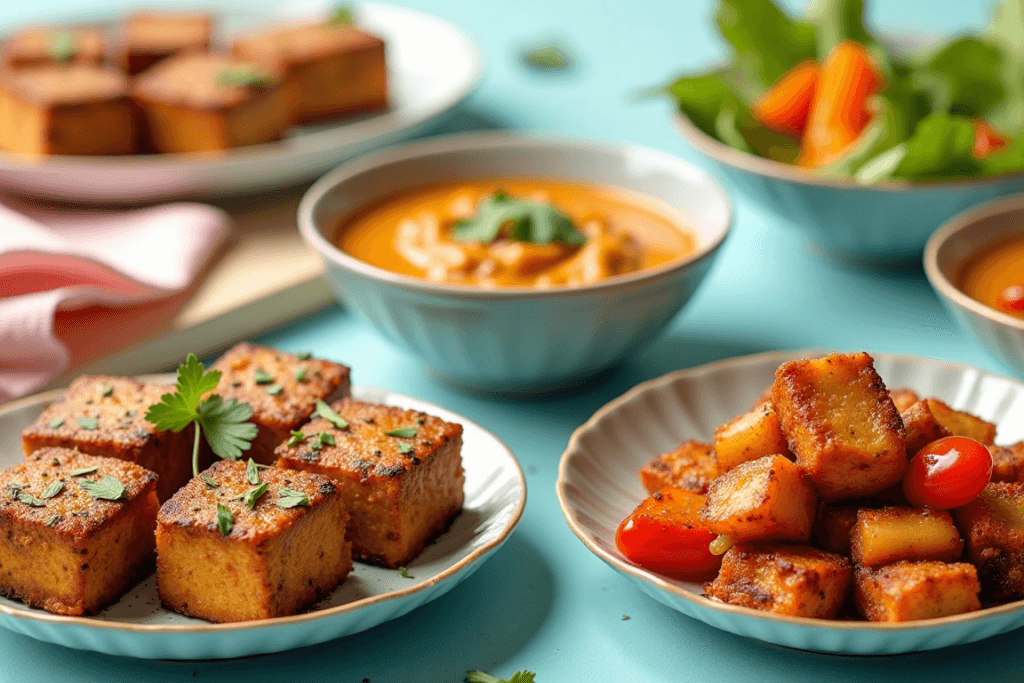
(341, 16)
(552, 56)
(517, 677)
(405, 572)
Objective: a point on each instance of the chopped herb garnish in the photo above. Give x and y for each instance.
(324, 411)
(290, 498)
(88, 423)
(341, 16)
(304, 355)
(405, 447)
(253, 494)
(405, 572)
(209, 482)
(325, 439)
(420, 420)
(52, 490)
(300, 374)
(52, 520)
(526, 221)
(403, 432)
(517, 677)
(56, 423)
(63, 46)
(252, 475)
(106, 488)
(84, 470)
(550, 57)
(296, 438)
(225, 519)
(244, 76)
(262, 377)
(30, 500)
(275, 389)
(225, 423)
(107, 391)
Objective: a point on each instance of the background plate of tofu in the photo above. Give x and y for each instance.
(214, 136)
(137, 626)
(599, 485)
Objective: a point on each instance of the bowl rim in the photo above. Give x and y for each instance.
(777, 170)
(638, 573)
(942, 282)
(495, 143)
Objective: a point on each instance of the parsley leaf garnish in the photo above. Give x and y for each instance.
(403, 432)
(30, 500)
(324, 411)
(84, 470)
(405, 447)
(63, 46)
(527, 221)
(517, 677)
(105, 488)
(209, 482)
(52, 490)
(52, 520)
(225, 423)
(275, 389)
(107, 391)
(296, 438)
(300, 374)
(262, 377)
(304, 355)
(253, 494)
(551, 57)
(341, 16)
(89, 423)
(242, 76)
(225, 519)
(57, 422)
(252, 475)
(405, 572)
(290, 498)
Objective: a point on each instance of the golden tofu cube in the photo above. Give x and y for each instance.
(907, 591)
(832, 527)
(691, 466)
(960, 423)
(841, 424)
(1007, 462)
(894, 534)
(921, 426)
(767, 498)
(794, 580)
(903, 398)
(151, 37)
(994, 526)
(750, 436)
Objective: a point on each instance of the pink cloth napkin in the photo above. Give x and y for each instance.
(60, 260)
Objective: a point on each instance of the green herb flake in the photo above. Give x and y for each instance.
(290, 498)
(304, 355)
(549, 57)
(252, 475)
(253, 495)
(341, 16)
(403, 432)
(107, 391)
(325, 439)
(89, 423)
(52, 490)
(325, 411)
(63, 46)
(30, 500)
(261, 377)
(275, 389)
(517, 677)
(225, 519)
(405, 447)
(405, 572)
(300, 374)
(52, 521)
(84, 470)
(244, 76)
(522, 220)
(54, 424)
(106, 488)
(296, 438)
(209, 482)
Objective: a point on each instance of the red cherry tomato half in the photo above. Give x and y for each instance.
(947, 473)
(664, 534)
(1012, 298)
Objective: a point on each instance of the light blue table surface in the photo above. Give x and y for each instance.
(544, 602)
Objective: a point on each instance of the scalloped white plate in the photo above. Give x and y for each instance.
(598, 485)
(137, 626)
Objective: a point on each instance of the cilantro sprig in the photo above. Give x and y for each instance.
(523, 219)
(225, 423)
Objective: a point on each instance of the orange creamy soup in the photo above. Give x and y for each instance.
(418, 233)
(995, 277)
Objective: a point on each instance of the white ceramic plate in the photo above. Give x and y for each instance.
(432, 66)
(598, 485)
(137, 626)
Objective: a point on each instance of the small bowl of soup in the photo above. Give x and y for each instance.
(975, 262)
(511, 263)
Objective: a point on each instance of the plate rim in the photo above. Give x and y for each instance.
(90, 622)
(637, 573)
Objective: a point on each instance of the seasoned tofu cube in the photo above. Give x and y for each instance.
(750, 436)
(1007, 462)
(907, 591)
(399, 473)
(832, 527)
(921, 426)
(994, 526)
(66, 110)
(151, 37)
(960, 423)
(768, 498)
(282, 389)
(204, 103)
(903, 398)
(336, 69)
(794, 580)
(78, 529)
(54, 46)
(894, 534)
(692, 466)
(841, 424)
(231, 550)
(107, 416)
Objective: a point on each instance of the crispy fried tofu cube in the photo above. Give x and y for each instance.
(282, 389)
(151, 37)
(692, 466)
(994, 525)
(767, 498)
(67, 549)
(832, 527)
(907, 591)
(894, 534)
(285, 551)
(54, 46)
(841, 424)
(106, 416)
(903, 398)
(750, 436)
(1007, 462)
(794, 580)
(399, 473)
(960, 423)
(921, 426)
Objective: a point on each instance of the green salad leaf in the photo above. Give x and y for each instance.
(837, 20)
(962, 77)
(765, 41)
(887, 129)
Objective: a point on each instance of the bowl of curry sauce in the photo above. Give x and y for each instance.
(975, 262)
(512, 263)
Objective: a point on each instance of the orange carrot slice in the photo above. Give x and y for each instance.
(784, 108)
(839, 110)
(987, 139)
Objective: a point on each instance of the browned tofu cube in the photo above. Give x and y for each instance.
(832, 527)
(398, 471)
(994, 525)
(768, 498)
(231, 550)
(692, 466)
(750, 436)
(894, 534)
(960, 423)
(54, 46)
(107, 416)
(204, 103)
(841, 424)
(921, 426)
(151, 37)
(903, 398)
(282, 389)
(78, 529)
(794, 580)
(66, 110)
(1007, 462)
(907, 591)
(336, 69)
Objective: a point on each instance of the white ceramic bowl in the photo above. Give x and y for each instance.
(598, 485)
(952, 245)
(516, 339)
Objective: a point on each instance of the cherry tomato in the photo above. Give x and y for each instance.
(947, 473)
(664, 534)
(1012, 298)
(987, 140)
